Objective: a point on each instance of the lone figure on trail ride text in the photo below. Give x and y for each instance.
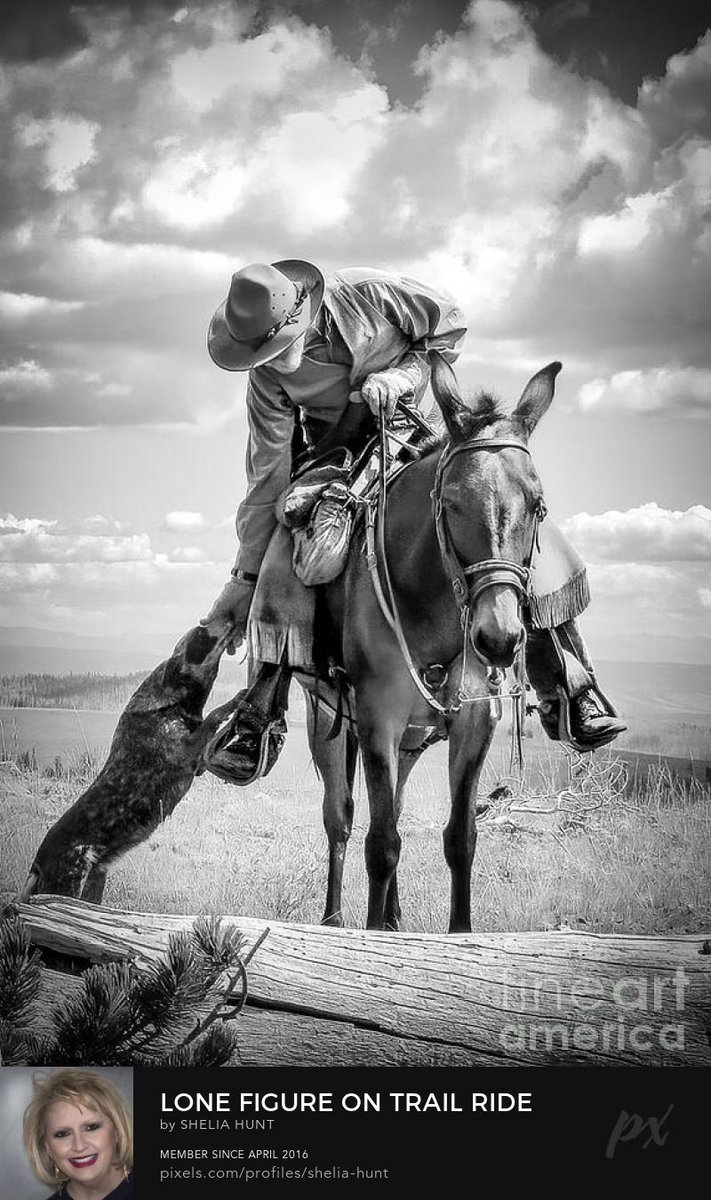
(325, 356)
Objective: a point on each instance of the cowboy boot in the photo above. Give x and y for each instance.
(247, 745)
(571, 706)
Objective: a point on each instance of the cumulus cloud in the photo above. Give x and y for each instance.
(96, 572)
(678, 103)
(34, 540)
(68, 145)
(179, 148)
(186, 554)
(185, 522)
(23, 379)
(97, 526)
(117, 597)
(645, 598)
(685, 391)
(31, 541)
(20, 307)
(648, 533)
(648, 569)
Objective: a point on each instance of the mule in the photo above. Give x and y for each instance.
(459, 566)
(458, 576)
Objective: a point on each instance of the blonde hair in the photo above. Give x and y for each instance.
(82, 1089)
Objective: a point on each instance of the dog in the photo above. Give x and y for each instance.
(155, 753)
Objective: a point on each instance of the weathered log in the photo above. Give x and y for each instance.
(321, 996)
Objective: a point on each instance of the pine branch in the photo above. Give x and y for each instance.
(20, 983)
(122, 1016)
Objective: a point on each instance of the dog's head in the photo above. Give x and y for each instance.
(185, 679)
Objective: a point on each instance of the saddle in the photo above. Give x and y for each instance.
(322, 503)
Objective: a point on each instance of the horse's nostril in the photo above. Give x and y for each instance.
(498, 650)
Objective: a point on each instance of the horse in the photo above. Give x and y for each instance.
(460, 532)
(487, 504)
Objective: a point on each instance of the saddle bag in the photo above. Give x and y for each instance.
(297, 502)
(321, 546)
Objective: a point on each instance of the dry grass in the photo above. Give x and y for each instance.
(603, 861)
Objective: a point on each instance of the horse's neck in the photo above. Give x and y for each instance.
(410, 519)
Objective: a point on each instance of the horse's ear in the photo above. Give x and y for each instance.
(446, 392)
(536, 398)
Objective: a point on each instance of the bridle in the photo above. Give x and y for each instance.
(468, 581)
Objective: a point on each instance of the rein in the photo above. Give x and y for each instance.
(468, 583)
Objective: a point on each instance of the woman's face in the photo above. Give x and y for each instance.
(82, 1142)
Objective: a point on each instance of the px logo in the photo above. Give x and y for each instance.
(630, 1127)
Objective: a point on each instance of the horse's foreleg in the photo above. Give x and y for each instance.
(382, 719)
(336, 761)
(470, 736)
(393, 912)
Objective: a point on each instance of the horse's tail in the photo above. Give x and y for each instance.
(446, 391)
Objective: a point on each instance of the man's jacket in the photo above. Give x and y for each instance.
(370, 320)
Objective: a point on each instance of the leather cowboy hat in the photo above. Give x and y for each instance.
(267, 308)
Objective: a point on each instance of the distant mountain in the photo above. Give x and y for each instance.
(672, 690)
(44, 660)
(642, 647)
(24, 649)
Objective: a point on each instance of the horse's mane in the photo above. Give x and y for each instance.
(483, 410)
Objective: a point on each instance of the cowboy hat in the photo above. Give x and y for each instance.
(267, 308)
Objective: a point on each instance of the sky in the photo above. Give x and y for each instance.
(548, 165)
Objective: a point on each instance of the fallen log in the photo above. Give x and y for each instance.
(323, 997)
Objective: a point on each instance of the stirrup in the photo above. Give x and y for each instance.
(565, 733)
(224, 757)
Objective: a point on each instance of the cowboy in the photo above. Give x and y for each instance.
(323, 356)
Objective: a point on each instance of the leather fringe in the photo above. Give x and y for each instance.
(267, 643)
(566, 603)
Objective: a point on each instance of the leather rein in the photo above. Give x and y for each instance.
(468, 581)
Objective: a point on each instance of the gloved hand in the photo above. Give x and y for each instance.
(384, 389)
(232, 604)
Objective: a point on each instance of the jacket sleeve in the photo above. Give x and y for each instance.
(427, 319)
(270, 417)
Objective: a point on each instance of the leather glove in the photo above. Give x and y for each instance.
(232, 604)
(383, 389)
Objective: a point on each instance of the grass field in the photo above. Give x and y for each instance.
(602, 860)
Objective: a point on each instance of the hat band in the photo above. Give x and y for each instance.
(290, 318)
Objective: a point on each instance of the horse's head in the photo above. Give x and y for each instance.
(491, 502)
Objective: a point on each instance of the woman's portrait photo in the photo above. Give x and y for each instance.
(76, 1129)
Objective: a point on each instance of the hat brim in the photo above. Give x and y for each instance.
(232, 355)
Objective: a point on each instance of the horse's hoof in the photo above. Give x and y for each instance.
(334, 920)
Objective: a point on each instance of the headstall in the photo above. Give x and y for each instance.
(468, 581)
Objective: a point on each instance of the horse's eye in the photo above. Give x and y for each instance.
(539, 508)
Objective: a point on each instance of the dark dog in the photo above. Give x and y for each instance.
(155, 753)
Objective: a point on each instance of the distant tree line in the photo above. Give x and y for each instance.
(109, 693)
(90, 690)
